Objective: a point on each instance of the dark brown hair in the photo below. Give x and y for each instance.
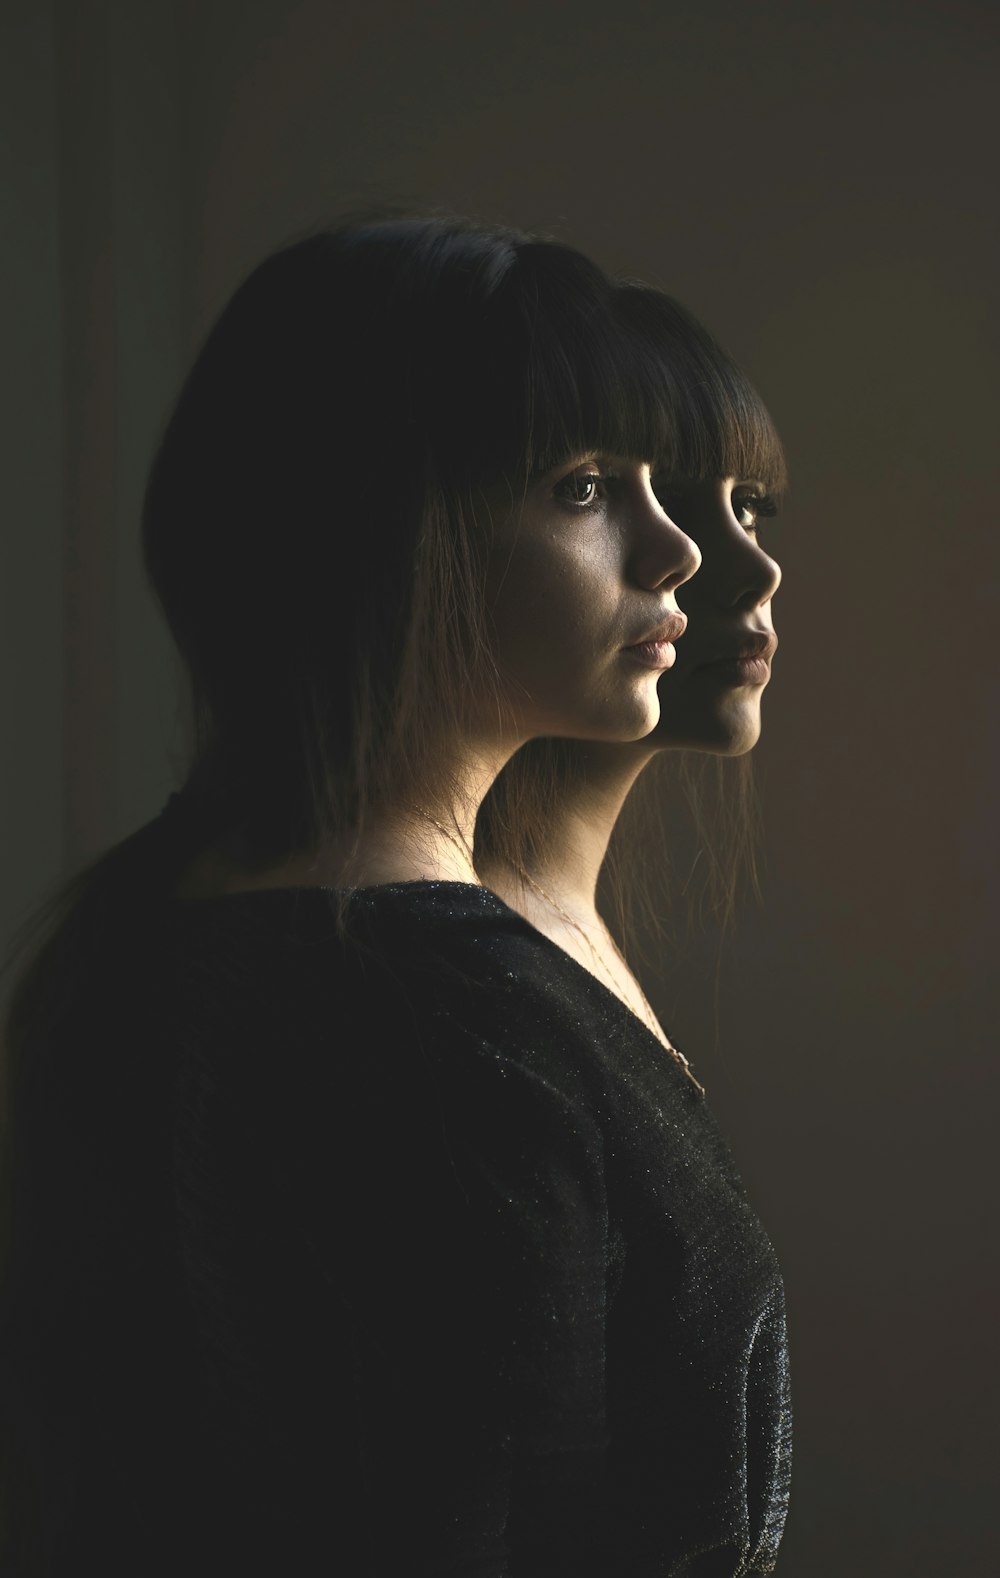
(311, 530)
(311, 527)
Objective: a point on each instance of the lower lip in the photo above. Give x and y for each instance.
(653, 654)
(741, 671)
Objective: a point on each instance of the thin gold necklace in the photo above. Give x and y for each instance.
(652, 1023)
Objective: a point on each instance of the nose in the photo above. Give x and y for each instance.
(662, 556)
(736, 573)
(751, 576)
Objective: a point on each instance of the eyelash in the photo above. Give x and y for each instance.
(761, 505)
(580, 505)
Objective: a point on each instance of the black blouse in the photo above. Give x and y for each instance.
(413, 1254)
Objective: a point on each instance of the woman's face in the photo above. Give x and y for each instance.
(581, 586)
(711, 698)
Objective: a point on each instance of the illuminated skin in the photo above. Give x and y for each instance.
(705, 705)
(580, 572)
(581, 585)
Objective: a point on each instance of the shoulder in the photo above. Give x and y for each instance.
(412, 1059)
(434, 1002)
(436, 961)
(478, 965)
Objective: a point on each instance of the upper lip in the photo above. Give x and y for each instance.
(670, 628)
(755, 644)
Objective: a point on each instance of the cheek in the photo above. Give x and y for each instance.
(544, 592)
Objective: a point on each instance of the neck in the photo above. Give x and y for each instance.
(567, 858)
(424, 835)
(427, 835)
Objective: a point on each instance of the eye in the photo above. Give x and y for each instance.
(750, 508)
(581, 489)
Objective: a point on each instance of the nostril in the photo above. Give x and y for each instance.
(672, 582)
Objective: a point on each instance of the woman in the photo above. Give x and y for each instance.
(694, 1330)
(302, 1247)
(724, 475)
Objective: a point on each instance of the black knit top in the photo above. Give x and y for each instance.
(415, 1254)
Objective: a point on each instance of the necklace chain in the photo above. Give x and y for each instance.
(652, 1022)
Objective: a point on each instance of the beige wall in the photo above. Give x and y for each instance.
(816, 182)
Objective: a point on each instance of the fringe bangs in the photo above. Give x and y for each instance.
(720, 425)
(582, 364)
(580, 378)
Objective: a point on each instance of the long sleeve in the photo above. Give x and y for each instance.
(487, 1316)
(430, 1218)
(400, 1253)
(445, 1207)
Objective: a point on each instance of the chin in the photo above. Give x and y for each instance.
(616, 725)
(731, 730)
(636, 722)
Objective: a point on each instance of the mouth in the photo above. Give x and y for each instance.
(748, 661)
(656, 650)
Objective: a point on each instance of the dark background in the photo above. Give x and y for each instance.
(817, 182)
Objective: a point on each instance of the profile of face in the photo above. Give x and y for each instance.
(582, 586)
(711, 699)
